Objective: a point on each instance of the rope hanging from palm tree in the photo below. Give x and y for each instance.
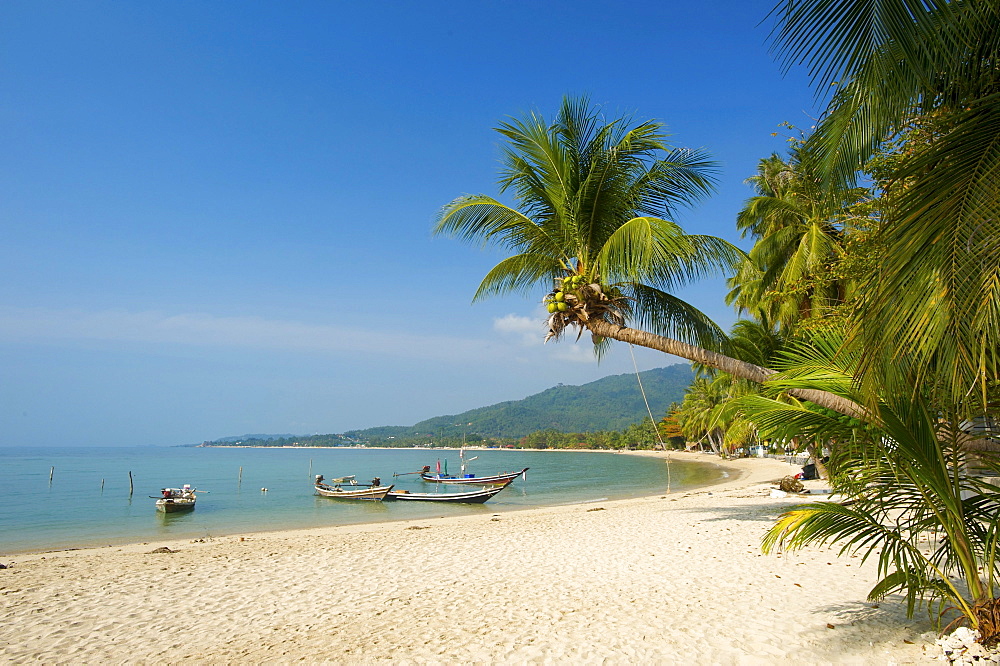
(631, 350)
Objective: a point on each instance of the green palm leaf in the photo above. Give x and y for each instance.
(932, 63)
(902, 473)
(520, 273)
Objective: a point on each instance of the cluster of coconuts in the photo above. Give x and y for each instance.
(557, 300)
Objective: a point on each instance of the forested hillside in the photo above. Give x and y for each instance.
(605, 408)
(611, 403)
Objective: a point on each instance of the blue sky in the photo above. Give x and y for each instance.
(216, 216)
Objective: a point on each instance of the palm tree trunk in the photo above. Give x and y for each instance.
(816, 453)
(714, 441)
(732, 366)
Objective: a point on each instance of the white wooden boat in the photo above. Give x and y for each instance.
(495, 479)
(465, 477)
(346, 487)
(177, 499)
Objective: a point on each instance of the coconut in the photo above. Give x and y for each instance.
(561, 306)
(552, 307)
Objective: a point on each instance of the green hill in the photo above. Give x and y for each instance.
(611, 403)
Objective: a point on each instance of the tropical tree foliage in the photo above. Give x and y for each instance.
(669, 429)
(707, 413)
(799, 229)
(936, 297)
(595, 198)
(904, 475)
(698, 415)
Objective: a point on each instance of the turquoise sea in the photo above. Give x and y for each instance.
(87, 502)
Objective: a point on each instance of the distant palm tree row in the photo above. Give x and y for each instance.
(872, 312)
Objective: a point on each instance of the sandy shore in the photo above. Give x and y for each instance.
(675, 579)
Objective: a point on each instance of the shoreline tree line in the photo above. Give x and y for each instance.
(638, 436)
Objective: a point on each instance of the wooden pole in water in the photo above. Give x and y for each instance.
(51, 472)
(130, 486)
(310, 468)
(239, 481)
(102, 485)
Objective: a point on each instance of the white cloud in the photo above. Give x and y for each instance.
(530, 332)
(575, 352)
(205, 330)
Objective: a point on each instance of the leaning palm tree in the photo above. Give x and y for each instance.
(936, 296)
(594, 228)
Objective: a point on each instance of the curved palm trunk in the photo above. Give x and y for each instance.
(816, 453)
(732, 366)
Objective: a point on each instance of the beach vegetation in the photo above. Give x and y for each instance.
(910, 481)
(670, 430)
(793, 275)
(912, 106)
(925, 72)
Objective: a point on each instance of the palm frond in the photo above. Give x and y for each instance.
(519, 273)
(938, 292)
(782, 421)
(665, 314)
(902, 472)
(478, 217)
(658, 252)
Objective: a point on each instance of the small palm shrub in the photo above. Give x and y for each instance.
(906, 494)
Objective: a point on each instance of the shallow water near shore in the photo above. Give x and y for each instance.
(87, 502)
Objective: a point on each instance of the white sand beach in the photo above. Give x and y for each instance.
(671, 579)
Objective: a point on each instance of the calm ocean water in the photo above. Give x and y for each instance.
(74, 510)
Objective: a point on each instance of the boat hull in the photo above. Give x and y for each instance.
(174, 505)
(377, 493)
(476, 480)
(477, 496)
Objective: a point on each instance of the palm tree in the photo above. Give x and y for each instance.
(698, 415)
(707, 414)
(936, 296)
(903, 474)
(593, 226)
(799, 227)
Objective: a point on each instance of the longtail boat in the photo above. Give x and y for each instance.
(476, 496)
(176, 499)
(465, 477)
(346, 487)
(501, 478)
